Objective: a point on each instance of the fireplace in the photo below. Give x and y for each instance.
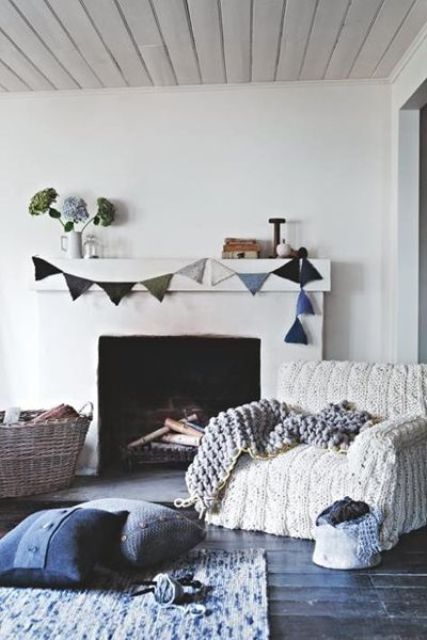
(142, 380)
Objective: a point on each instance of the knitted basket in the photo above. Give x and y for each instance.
(38, 458)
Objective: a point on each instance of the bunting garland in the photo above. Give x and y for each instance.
(308, 273)
(289, 271)
(253, 281)
(219, 272)
(299, 270)
(116, 291)
(195, 270)
(158, 286)
(76, 286)
(44, 269)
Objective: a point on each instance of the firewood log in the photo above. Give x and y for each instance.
(154, 435)
(181, 438)
(181, 427)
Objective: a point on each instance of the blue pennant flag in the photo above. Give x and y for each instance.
(253, 281)
(304, 306)
(296, 334)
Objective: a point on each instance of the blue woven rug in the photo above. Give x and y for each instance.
(236, 605)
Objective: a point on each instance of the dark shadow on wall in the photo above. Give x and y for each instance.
(347, 280)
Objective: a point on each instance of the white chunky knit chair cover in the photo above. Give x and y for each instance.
(386, 466)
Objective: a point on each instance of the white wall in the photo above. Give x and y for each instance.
(403, 274)
(189, 167)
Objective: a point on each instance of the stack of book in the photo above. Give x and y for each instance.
(241, 248)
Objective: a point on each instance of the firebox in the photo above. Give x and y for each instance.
(144, 380)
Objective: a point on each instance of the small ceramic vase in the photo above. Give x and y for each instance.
(283, 250)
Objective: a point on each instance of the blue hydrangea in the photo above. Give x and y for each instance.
(75, 210)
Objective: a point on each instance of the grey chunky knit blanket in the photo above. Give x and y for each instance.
(263, 429)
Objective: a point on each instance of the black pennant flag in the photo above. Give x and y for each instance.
(308, 273)
(77, 286)
(289, 271)
(116, 290)
(44, 269)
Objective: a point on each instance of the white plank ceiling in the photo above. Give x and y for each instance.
(88, 44)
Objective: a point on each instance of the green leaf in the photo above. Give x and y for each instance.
(54, 213)
(69, 226)
(96, 220)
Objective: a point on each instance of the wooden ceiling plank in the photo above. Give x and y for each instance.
(298, 20)
(360, 18)
(205, 20)
(141, 21)
(114, 32)
(24, 35)
(75, 20)
(237, 28)
(388, 21)
(174, 25)
(267, 27)
(44, 21)
(404, 37)
(327, 25)
(10, 80)
(19, 63)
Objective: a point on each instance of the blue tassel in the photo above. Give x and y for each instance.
(304, 306)
(296, 334)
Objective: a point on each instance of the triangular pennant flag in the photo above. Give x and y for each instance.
(219, 272)
(195, 270)
(289, 271)
(159, 285)
(116, 290)
(44, 269)
(308, 273)
(253, 281)
(304, 306)
(77, 286)
(296, 334)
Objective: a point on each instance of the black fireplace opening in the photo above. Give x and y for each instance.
(143, 380)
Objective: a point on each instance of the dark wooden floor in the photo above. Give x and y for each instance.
(308, 602)
(305, 601)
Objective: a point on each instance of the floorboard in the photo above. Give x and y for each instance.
(306, 602)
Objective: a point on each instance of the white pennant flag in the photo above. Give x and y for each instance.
(219, 272)
(195, 270)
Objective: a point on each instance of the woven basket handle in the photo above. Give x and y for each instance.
(87, 410)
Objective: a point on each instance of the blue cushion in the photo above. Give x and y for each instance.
(58, 547)
(152, 533)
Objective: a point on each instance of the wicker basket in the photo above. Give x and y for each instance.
(38, 458)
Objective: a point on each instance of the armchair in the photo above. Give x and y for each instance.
(386, 465)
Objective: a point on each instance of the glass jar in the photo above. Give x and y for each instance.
(91, 247)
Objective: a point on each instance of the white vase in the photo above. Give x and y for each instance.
(284, 250)
(72, 244)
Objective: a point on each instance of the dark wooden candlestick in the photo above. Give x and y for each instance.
(276, 233)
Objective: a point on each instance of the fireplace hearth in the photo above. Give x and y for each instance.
(142, 380)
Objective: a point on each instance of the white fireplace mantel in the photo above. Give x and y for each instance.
(137, 269)
(68, 332)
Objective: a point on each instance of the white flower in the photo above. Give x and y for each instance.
(75, 210)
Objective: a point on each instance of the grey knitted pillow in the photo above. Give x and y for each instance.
(152, 533)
